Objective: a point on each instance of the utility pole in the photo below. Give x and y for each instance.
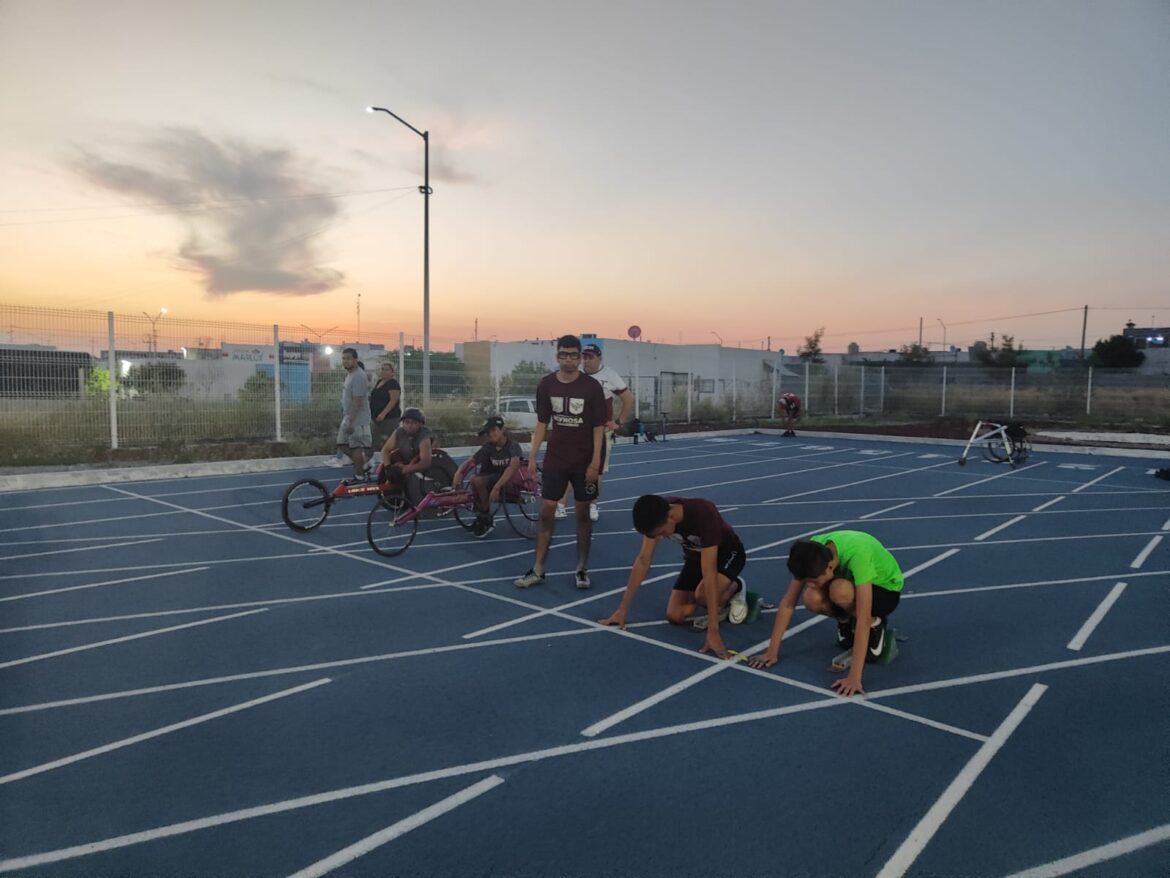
(919, 332)
(1084, 327)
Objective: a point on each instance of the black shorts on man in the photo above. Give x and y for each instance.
(730, 562)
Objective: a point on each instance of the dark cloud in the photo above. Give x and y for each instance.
(250, 213)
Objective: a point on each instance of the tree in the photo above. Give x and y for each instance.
(260, 387)
(1117, 352)
(524, 377)
(161, 377)
(988, 353)
(97, 382)
(915, 355)
(811, 351)
(1007, 354)
(448, 376)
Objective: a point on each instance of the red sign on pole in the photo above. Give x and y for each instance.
(635, 331)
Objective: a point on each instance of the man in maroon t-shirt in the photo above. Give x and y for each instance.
(713, 558)
(575, 404)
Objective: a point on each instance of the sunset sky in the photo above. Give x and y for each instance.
(738, 169)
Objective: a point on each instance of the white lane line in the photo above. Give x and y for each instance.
(37, 594)
(60, 524)
(930, 823)
(1095, 619)
(443, 570)
(139, 636)
(999, 527)
(925, 564)
(1145, 553)
(336, 795)
(211, 608)
(808, 533)
(887, 509)
(1096, 855)
(79, 549)
(393, 831)
(682, 685)
(155, 733)
(1166, 526)
(1098, 479)
(1052, 502)
(972, 679)
(904, 472)
(988, 479)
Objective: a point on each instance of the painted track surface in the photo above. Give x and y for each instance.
(187, 687)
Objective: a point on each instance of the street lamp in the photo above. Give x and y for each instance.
(425, 189)
(718, 336)
(154, 328)
(944, 326)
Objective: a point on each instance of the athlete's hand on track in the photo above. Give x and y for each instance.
(714, 645)
(848, 686)
(618, 618)
(762, 661)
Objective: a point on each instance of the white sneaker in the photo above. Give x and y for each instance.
(561, 513)
(594, 512)
(737, 606)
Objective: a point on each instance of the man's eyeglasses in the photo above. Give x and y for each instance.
(568, 355)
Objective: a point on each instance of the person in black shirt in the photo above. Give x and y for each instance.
(385, 405)
(498, 460)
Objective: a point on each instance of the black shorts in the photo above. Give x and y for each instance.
(489, 479)
(553, 484)
(729, 562)
(884, 600)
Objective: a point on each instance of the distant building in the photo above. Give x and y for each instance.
(1147, 336)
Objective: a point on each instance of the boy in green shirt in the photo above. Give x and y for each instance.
(850, 576)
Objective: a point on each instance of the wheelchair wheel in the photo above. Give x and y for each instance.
(522, 509)
(305, 504)
(996, 450)
(465, 515)
(390, 528)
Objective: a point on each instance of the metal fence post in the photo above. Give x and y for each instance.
(1089, 393)
(690, 393)
(836, 377)
(1012, 397)
(882, 393)
(402, 370)
(861, 399)
(775, 385)
(112, 365)
(637, 388)
(734, 396)
(944, 393)
(807, 404)
(276, 383)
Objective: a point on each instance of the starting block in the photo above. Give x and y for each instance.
(843, 661)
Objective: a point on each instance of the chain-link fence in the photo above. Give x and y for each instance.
(77, 384)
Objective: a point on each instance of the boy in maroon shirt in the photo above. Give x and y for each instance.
(713, 558)
(575, 404)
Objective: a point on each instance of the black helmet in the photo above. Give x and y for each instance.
(414, 415)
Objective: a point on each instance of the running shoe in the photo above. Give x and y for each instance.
(583, 579)
(737, 606)
(877, 641)
(699, 623)
(845, 631)
(529, 579)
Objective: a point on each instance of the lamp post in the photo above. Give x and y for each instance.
(154, 328)
(944, 326)
(718, 336)
(425, 189)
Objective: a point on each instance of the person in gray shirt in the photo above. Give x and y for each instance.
(353, 436)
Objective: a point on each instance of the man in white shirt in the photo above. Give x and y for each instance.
(613, 385)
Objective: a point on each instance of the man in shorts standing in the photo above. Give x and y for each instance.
(353, 436)
(575, 404)
(613, 385)
(850, 576)
(713, 558)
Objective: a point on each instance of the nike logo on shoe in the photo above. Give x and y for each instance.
(876, 651)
